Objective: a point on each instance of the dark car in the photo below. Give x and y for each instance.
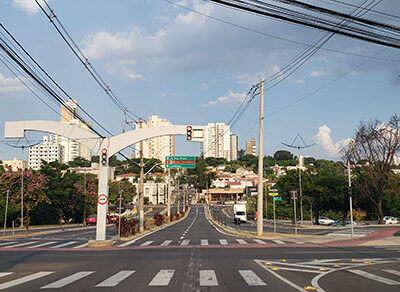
(91, 220)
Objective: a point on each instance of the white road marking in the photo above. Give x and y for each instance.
(42, 244)
(208, 278)
(394, 272)
(278, 241)
(147, 243)
(374, 277)
(251, 278)
(185, 242)
(241, 241)
(165, 243)
(259, 241)
(162, 278)
(7, 243)
(64, 244)
(20, 244)
(115, 279)
(24, 280)
(67, 280)
(223, 242)
(81, 245)
(5, 274)
(204, 242)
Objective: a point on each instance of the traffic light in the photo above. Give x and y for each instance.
(104, 157)
(189, 133)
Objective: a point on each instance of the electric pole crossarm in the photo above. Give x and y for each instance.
(84, 137)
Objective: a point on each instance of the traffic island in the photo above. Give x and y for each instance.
(100, 243)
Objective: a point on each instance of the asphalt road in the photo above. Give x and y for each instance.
(192, 255)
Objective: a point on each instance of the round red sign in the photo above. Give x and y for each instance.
(102, 199)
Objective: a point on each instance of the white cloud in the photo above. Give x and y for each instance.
(204, 86)
(123, 68)
(10, 85)
(231, 98)
(300, 81)
(28, 6)
(324, 139)
(317, 73)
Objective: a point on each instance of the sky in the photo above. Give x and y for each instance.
(162, 59)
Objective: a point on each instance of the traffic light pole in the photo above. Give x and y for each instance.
(141, 191)
(169, 195)
(119, 211)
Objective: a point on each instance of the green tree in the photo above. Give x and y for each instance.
(283, 155)
(79, 162)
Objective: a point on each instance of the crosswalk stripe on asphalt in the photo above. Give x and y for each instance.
(278, 241)
(394, 272)
(20, 244)
(251, 278)
(165, 243)
(7, 243)
(204, 242)
(374, 277)
(223, 242)
(185, 242)
(147, 243)
(115, 279)
(208, 278)
(259, 241)
(162, 278)
(241, 241)
(67, 280)
(64, 244)
(24, 280)
(42, 244)
(81, 245)
(3, 274)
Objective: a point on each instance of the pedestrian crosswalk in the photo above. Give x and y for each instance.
(159, 278)
(74, 244)
(42, 244)
(164, 278)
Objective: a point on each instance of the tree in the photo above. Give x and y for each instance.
(283, 155)
(79, 162)
(373, 149)
(241, 153)
(35, 186)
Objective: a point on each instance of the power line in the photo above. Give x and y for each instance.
(84, 60)
(275, 36)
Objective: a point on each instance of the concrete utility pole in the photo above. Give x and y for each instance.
(22, 195)
(178, 194)
(141, 187)
(260, 205)
(350, 199)
(301, 194)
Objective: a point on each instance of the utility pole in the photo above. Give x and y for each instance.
(119, 210)
(84, 199)
(178, 195)
(260, 205)
(301, 194)
(22, 195)
(169, 195)
(350, 199)
(294, 197)
(5, 213)
(141, 187)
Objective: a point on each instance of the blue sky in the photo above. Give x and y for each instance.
(162, 59)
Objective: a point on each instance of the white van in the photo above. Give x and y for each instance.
(239, 212)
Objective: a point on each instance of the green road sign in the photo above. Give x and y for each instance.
(277, 199)
(180, 157)
(180, 165)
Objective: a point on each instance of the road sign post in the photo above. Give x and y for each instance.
(273, 192)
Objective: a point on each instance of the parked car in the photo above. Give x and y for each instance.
(112, 219)
(340, 223)
(391, 220)
(325, 221)
(91, 220)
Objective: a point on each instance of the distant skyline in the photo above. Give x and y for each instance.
(190, 69)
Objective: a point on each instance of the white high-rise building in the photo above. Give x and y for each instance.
(72, 149)
(217, 141)
(48, 151)
(234, 147)
(157, 147)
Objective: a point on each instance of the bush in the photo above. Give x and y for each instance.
(158, 219)
(128, 226)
